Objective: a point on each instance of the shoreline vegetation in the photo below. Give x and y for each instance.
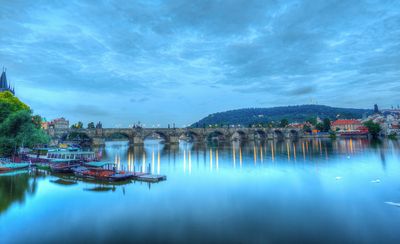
(19, 128)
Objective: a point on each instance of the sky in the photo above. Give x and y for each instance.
(176, 61)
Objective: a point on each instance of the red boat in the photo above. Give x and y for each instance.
(63, 166)
(98, 171)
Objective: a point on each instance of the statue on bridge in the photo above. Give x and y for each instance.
(99, 125)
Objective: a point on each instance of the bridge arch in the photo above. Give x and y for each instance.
(116, 136)
(279, 135)
(260, 135)
(215, 135)
(156, 134)
(294, 134)
(238, 135)
(189, 136)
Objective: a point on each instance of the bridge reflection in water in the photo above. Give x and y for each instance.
(159, 158)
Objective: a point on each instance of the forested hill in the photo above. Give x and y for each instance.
(299, 113)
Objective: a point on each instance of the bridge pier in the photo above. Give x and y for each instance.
(270, 136)
(250, 138)
(173, 140)
(137, 140)
(98, 141)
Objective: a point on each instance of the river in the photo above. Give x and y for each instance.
(330, 191)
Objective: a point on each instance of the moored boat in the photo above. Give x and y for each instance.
(45, 155)
(63, 165)
(101, 171)
(4, 167)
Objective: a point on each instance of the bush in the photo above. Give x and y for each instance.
(392, 136)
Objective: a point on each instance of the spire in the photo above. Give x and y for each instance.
(4, 86)
(3, 80)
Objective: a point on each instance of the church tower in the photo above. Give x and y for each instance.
(4, 86)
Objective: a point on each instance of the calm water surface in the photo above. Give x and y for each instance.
(305, 191)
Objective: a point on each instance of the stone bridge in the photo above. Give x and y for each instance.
(98, 136)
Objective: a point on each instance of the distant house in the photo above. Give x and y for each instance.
(59, 123)
(296, 125)
(393, 129)
(56, 127)
(346, 124)
(45, 125)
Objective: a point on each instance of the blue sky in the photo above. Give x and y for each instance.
(161, 62)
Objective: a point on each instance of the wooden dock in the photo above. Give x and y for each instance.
(149, 177)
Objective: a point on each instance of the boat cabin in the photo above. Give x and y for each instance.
(68, 153)
(75, 155)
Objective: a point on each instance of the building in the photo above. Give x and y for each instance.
(388, 119)
(56, 128)
(393, 129)
(296, 125)
(4, 86)
(45, 125)
(346, 124)
(59, 123)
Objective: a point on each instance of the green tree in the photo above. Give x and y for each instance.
(284, 123)
(18, 130)
(17, 125)
(320, 126)
(5, 110)
(327, 125)
(37, 121)
(91, 125)
(10, 104)
(312, 121)
(13, 101)
(392, 136)
(307, 128)
(373, 128)
(78, 125)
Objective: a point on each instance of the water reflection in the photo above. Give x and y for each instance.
(16, 186)
(273, 190)
(157, 158)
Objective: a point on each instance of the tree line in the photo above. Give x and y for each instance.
(18, 126)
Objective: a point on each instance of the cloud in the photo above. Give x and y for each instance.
(139, 100)
(302, 91)
(152, 55)
(88, 110)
